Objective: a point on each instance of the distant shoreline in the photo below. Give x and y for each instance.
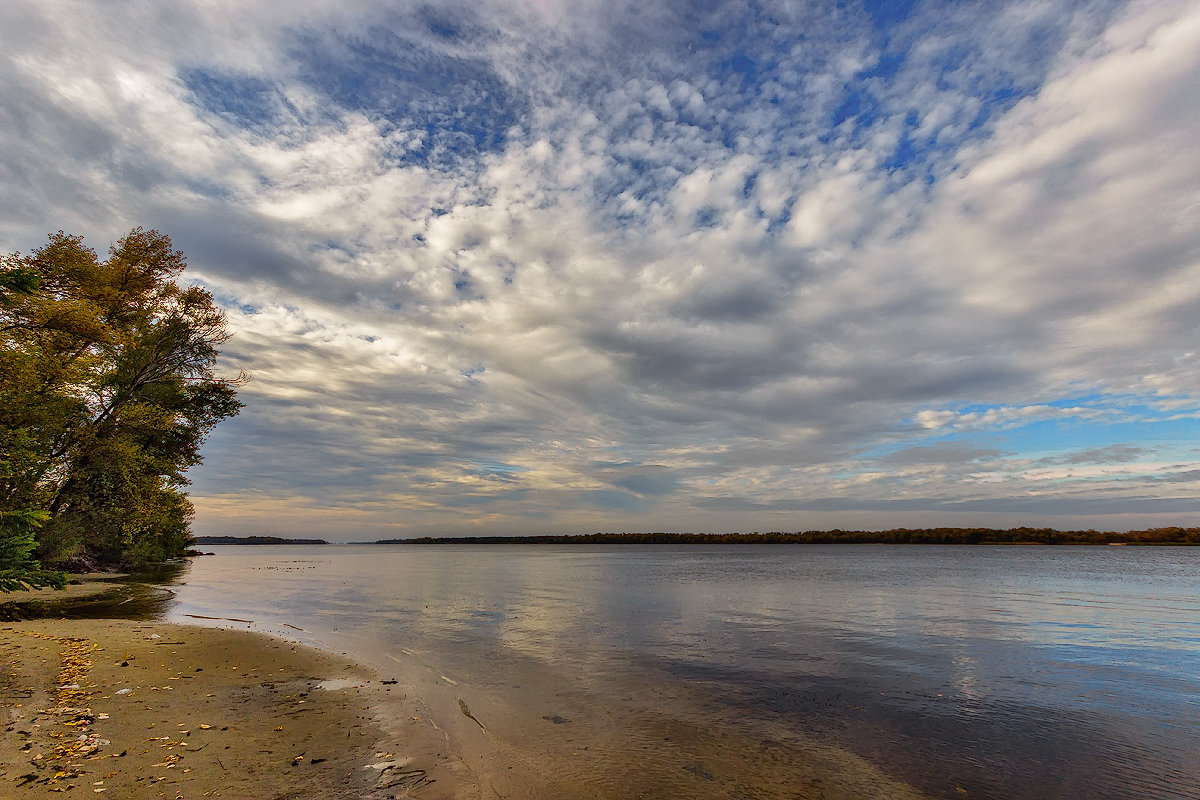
(956, 536)
(960, 536)
(255, 540)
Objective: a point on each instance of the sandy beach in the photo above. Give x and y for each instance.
(138, 709)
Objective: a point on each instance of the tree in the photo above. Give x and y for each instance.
(18, 568)
(107, 392)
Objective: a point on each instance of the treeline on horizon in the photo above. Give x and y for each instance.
(255, 540)
(983, 536)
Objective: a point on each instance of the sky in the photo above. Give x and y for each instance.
(530, 266)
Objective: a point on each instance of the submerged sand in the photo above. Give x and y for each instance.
(151, 710)
(143, 709)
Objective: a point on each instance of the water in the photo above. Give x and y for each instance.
(762, 671)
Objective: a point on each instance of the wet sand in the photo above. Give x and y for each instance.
(151, 710)
(81, 587)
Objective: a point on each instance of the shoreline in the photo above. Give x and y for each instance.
(150, 709)
(181, 710)
(98, 595)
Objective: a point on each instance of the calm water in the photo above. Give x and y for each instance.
(763, 671)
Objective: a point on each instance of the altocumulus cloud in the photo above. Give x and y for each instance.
(568, 266)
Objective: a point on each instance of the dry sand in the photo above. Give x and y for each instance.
(152, 710)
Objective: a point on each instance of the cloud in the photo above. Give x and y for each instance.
(946, 452)
(670, 266)
(1112, 454)
(994, 418)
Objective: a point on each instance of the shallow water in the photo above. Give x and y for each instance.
(762, 670)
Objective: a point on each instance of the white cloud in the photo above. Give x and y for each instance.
(999, 418)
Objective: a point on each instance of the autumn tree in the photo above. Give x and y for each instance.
(107, 392)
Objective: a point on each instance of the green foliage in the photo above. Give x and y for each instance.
(18, 569)
(107, 392)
